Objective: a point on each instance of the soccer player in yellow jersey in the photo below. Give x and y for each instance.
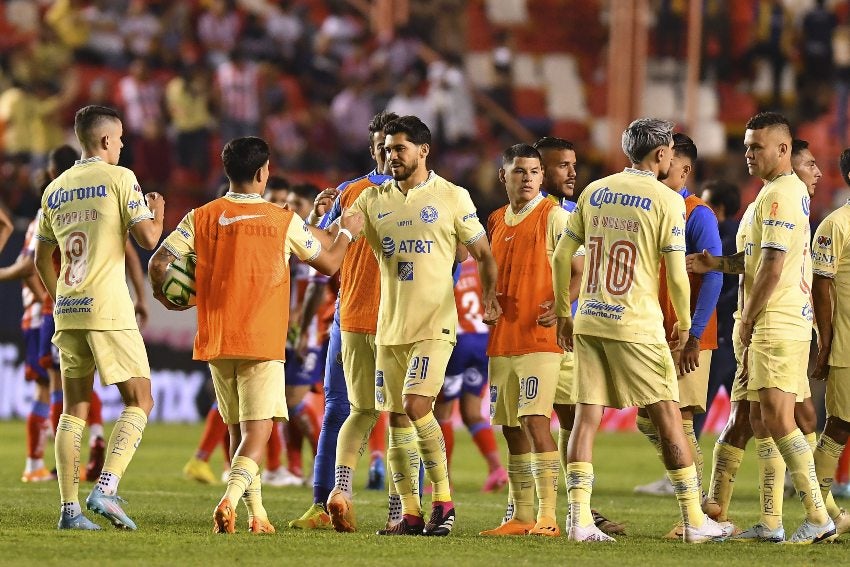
(628, 221)
(830, 294)
(413, 224)
(87, 212)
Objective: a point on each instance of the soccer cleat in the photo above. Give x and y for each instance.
(441, 521)
(496, 480)
(97, 454)
(842, 522)
(341, 511)
(404, 527)
(546, 527)
(512, 527)
(808, 533)
(708, 531)
(110, 508)
(661, 487)
(78, 522)
(841, 489)
(260, 526)
(609, 527)
(315, 518)
(199, 470)
(38, 475)
(589, 534)
(377, 475)
(280, 477)
(760, 532)
(224, 518)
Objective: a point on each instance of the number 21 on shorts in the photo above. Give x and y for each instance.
(418, 367)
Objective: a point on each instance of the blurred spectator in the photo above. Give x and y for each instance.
(18, 111)
(284, 135)
(142, 101)
(772, 42)
(351, 111)
(451, 100)
(141, 30)
(105, 43)
(66, 19)
(238, 92)
(409, 100)
(715, 44)
(218, 30)
(670, 26)
(255, 42)
(818, 27)
(187, 98)
(841, 61)
(286, 30)
(341, 29)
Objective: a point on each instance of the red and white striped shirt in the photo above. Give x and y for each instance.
(32, 307)
(142, 103)
(239, 87)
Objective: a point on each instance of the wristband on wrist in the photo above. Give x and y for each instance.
(346, 232)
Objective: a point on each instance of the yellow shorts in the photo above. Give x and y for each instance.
(782, 365)
(416, 368)
(117, 355)
(249, 390)
(693, 387)
(358, 365)
(739, 389)
(619, 374)
(838, 393)
(565, 393)
(522, 385)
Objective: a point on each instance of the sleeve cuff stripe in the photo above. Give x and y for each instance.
(46, 239)
(475, 238)
(315, 254)
(824, 274)
(673, 249)
(774, 245)
(139, 219)
(168, 247)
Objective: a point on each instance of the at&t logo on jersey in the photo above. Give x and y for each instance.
(387, 246)
(405, 271)
(604, 196)
(428, 214)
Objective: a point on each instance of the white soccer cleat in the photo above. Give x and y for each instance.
(708, 531)
(760, 532)
(809, 533)
(281, 476)
(589, 534)
(661, 487)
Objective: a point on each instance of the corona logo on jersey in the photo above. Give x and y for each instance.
(60, 196)
(604, 196)
(429, 214)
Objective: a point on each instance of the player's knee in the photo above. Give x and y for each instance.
(369, 416)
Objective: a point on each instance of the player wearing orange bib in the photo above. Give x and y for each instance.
(242, 244)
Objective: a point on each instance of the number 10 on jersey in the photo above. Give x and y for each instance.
(620, 270)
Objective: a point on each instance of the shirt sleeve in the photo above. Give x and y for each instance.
(826, 249)
(782, 217)
(555, 226)
(45, 229)
(131, 201)
(182, 241)
(702, 233)
(467, 225)
(300, 241)
(673, 226)
(575, 226)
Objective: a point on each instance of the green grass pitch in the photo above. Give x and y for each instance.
(174, 518)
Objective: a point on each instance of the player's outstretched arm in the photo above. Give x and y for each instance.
(133, 267)
(23, 268)
(148, 231)
(44, 266)
(330, 259)
(487, 269)
(680, 295)
(6, 228)
(764, 283)
(822, 290)
(704, 262)
(156, 274)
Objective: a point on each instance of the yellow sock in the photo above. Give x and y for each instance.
(826, 461)
(521, 487)
(579, 491)
(686, 487)
(402, 456)
(545, 468)
(645, 426)
(812, 440)
(125, 438)
(696, 452)
(353, 436)
(69, 435)
(253, 499)
(563, 442)
(432, 448)
(242, 473)
(727, 461)
(771, 482)
(798, 458)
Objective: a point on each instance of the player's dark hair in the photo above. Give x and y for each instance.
(553, 143)
(305, 190)
(242, 158)
(519, 151)
(380, 121)
(415, 130)
(277, 183)
(768, 119)
(88, 118)
(62, 159)
(723, 193)
(684, 146)
(798, 145)
(844, 165)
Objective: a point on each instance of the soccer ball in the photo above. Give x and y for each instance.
(179, 284)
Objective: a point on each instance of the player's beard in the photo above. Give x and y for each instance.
(404, 171)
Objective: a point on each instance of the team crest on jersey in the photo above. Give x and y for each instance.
(807, 205)
(824, 241)
(428, 214)
(387, 246)
(405, 271)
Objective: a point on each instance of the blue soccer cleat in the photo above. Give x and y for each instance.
(377, 475)
(110, 508)
(78, 522)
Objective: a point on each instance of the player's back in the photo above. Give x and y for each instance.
(628, 221)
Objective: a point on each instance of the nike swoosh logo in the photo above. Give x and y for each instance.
(509, 237)
(225, 220)
(382, 215)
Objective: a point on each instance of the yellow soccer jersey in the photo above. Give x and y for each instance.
(781, 221)
(744, 229)
(87, 212)
(414, 238)
(299, 240)
(831, 259)
(626, 222)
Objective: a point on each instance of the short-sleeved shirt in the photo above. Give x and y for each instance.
(781, 221)
(87, 212)
(626, 222)
(744, 229)
(831, 259)
(415, 237)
